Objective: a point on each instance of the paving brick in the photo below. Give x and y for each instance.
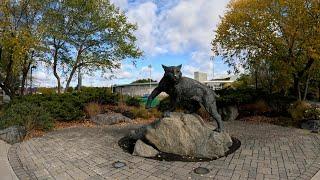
(267, 152)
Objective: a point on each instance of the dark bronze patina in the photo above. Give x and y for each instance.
(186, 91)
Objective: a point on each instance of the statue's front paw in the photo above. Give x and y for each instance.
(218, 130)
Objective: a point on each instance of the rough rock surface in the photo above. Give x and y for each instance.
(144, 150)
(229, 113)
(312, 125)
(13, 134)
(187, 134)
(110, 118)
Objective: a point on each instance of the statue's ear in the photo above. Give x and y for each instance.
(164, 67)
(179, 67)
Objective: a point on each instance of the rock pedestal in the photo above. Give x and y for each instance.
(144, 150)
(187, 135)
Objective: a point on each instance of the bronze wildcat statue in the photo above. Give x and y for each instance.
(188, 91)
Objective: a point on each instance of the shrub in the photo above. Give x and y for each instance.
(312, 113)
(144, 113)
(70, 89)
(64, 110)
(164, 104)
(44, 90)
(29, 115)
(133, 101)
(92, 109)
(100, 95)
(155, 113)
(69, 106)
(297, 110)
(140, 113)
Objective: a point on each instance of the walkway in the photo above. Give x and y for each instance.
(267, 152)
(6, 172)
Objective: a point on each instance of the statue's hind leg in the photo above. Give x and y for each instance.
(211, 107)
(191, 106)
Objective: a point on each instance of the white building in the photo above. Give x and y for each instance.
(214, 84)
(200, 76)
(136, 89)
(142, 89)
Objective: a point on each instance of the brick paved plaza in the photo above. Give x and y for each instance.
(267, 152)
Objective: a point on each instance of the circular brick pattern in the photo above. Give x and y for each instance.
(267, 152)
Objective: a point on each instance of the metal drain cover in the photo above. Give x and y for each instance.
(201, 170)
(119, 164)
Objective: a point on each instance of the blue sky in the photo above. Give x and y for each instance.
(170, 32)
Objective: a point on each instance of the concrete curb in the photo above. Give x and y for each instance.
(313, 171)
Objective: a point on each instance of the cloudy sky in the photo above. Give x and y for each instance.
(170, 32)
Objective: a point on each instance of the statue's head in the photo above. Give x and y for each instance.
(173, 72)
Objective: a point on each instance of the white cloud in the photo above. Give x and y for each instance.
(43, 77)
(188, 25)
(122, 4)
(146, 18)
(169, 27)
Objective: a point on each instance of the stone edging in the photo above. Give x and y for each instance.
(312, 169)
(16, 164)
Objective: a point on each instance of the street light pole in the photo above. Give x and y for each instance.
(212, 59)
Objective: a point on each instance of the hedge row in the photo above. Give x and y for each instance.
(63, 107)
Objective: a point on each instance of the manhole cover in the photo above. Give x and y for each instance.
(201, 170)
(118, 164)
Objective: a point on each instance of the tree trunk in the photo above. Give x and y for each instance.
(56, 75)
(306, 88)
(74, 68)
(296, 87)
(256, 79)
(319, 91)
(23, 84)
(298, 76)
(70, 77)
(25, 71)
(7, 90)
(8, 82)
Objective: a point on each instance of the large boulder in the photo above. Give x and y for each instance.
(13, 134)
(312, 125)
(229, 113)
(110, 118)
(144, 150)
(187, 135)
